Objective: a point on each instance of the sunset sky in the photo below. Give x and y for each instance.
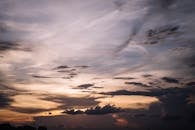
(115, 64)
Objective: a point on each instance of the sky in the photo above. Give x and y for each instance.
(120, 64)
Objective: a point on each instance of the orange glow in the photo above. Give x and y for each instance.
(133, 102)
(14, 117)
(29, 101)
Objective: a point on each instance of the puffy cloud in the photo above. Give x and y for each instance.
(95, 110)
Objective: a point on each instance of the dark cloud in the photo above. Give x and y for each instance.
(95, 110)
(156, 35)
(5, 91)
(171, 117)
(151, 92)
(70, 102)
(68, 77)
(73, 112)
(119, 4)
(139, 115)
(83, 66)
(170, 80)
(28, 110)
(3, 27)
(124, 78)
(138, 84)
(191, 84)
(138, 25)
(66, 103)
(73, 74)
(10, 38)
(4, 100)
(102, 110)
(65, 71)
(173, 102)
(5, 46)
(62, 67)
(189, 60)
(147, 75)
(85, 86)
(8, 46)
(97, 87)
(166, 3)
(38, 76)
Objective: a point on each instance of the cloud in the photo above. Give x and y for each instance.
(138, 84)
(5, 46)
(38, 76)
(28, 110)
(160, 7)
(71, 102)
(147, 75)
(191, 84)
(170, 80)
(124, 78)
(170, 99)
(85, 86)
(95, 110)
(151, 92)
(4, 100)
(157, 35)
(62, 67)
(82, 66)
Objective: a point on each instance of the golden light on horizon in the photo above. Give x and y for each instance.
(128, 102)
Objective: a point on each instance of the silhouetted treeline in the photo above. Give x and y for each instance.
(25, 127)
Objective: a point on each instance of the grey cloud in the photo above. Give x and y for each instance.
(170, 80)
(120, 3)
(147, 75)
(138, 84)
(97, 87)
(174, 103)
(191, 84)
(95, 110)
(28, 110)
(3, 27)
(124, 78)
(172, 31)
(82, 66)
(38, 76)
(171, 117)
(70, 102)
(62, 67)
(152, 92)
(159, 6)
(4, 100)
(156, 35)
(5, 46)
(85, 86)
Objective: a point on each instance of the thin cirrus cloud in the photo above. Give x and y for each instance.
(48, 26)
